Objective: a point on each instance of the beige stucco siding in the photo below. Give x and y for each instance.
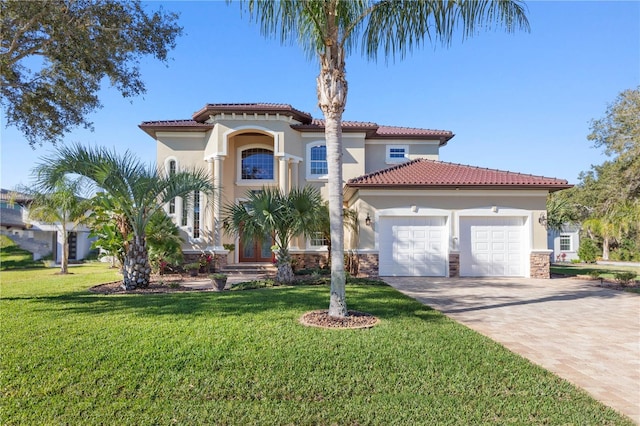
(529, 204)
(376, 152)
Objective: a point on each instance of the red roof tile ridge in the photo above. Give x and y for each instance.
(420, 129)
(486, 169)
(384, 171)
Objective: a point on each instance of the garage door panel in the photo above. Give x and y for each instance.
(412, 246)
(491, 246)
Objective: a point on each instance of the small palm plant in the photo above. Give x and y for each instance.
(271, 212)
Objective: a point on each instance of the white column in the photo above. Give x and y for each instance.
(284, 174)
(207, 219)
(294, 172)
(218, 162)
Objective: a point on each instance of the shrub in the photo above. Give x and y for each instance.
(595, 274)
(625, 278)
(588, 250)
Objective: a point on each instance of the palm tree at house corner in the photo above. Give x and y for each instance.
(270, 213)
(331, 29)
(136, 190)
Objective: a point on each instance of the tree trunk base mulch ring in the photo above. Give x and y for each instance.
(353, 320)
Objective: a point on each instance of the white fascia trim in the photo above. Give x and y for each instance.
(190, 135)
(453, 192)
(408, 211)
(254, 116)
(320, 135)
(400, 142)
(500, 212)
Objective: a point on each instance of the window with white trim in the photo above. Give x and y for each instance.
(317, 167)
(257, 164)
(318, 239)
(565, 242)
(397, 153)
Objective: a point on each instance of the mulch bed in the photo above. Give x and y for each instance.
(354, 320)
(158, 284)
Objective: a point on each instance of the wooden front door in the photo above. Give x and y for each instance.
(256, 251)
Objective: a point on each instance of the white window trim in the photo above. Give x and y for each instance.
(314, 177)
(390, 160)
(310, 247)
(570, 237)
(254, 182)
(167, 161)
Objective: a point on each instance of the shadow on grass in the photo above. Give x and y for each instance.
(382, 301)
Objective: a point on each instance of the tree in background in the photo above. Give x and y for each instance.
(61, 206)
(331, 29)
(606, 201)
(270, 213)
(136, 190)
(55, 54)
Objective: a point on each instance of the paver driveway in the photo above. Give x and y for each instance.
(586, 334)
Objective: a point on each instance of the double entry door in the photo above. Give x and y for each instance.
(256, 251)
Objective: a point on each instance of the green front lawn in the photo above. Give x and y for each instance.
(605, 271)
(13, 257)
(70, 356)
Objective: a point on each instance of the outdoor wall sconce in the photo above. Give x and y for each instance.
(494, 209)
(542, 220)
(367, 221)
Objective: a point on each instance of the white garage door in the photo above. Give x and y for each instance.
(413, 246)
(492, 247)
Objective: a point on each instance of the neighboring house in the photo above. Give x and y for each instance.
(564, 243)
(418, 216)
(37, 237)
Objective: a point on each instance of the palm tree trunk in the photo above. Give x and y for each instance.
(64, 262)
(285, 271)
(606, 243)
(332, 98)
(136, 268)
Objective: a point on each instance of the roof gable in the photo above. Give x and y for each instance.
(424, 173)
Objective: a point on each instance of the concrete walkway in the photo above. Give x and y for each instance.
(585, 334)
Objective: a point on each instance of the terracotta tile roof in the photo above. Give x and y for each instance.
(423, 173)
(251, 108)
(306, 122)
(375, 131)
(150, 127)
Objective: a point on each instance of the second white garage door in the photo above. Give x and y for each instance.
(491, 247)
(413, 246)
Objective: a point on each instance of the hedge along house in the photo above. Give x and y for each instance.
(417, 216)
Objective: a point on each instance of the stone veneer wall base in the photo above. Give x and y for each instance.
(540, 265)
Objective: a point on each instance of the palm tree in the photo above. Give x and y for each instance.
(331, 29)
(136, 190)
(61, 205)
(270, 213)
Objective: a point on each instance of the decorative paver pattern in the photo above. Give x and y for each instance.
(585, 334)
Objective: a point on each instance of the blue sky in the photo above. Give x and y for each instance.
(520, 102)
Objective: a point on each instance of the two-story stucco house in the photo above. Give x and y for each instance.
(418, 216)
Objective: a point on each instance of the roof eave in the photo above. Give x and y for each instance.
(549, 187)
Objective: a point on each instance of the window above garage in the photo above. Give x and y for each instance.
(397, 154)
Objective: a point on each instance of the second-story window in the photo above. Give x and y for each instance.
(397, 153)
(257, 164)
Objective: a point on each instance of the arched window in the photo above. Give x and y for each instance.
(317, 161)
(257, 164)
